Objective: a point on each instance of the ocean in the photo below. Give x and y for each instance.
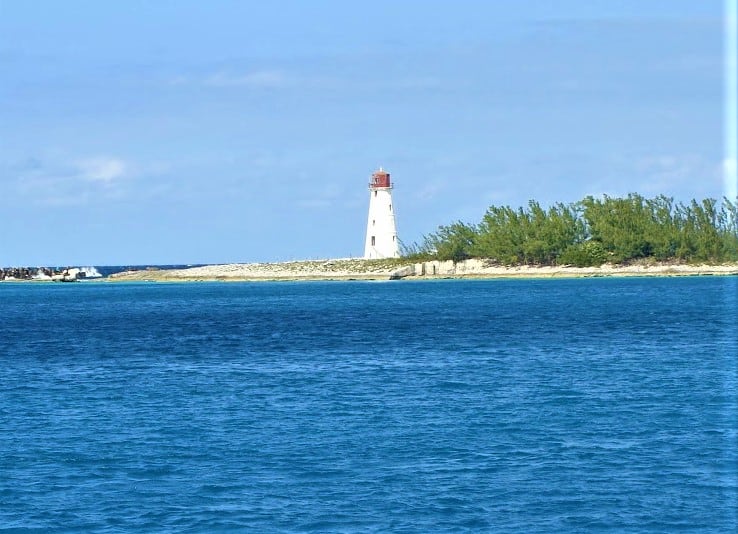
(423, 406)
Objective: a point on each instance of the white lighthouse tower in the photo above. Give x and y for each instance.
(381, 232)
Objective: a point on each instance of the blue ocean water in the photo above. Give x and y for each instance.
(509, 405)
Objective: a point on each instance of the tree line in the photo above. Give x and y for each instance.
(591, 232)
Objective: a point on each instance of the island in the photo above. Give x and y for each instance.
(359, 269)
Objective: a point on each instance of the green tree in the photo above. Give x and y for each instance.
(593, 231)
(454, 242)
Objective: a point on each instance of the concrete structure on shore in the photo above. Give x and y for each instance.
(381, 232)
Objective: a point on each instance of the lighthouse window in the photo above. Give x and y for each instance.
(373, 221)
(393, 238)
(375, 193)
(390, 207)
(373, 241)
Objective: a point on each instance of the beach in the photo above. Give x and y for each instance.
(394, 269)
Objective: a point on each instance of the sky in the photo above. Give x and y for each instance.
(139, 132)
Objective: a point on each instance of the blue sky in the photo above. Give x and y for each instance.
(143, 132)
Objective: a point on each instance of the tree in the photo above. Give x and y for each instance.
(593, 231)
(454, 242)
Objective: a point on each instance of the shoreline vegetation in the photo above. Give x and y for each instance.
(593, 232)
(631, 236)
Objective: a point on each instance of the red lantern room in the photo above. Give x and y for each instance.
(380, 178)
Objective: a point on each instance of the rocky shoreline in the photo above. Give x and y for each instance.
(45, 274)
(360, 269)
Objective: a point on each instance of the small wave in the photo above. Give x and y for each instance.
(90, 272)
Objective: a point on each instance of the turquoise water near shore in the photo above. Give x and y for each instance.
(497, 405)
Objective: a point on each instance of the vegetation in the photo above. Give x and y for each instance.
(592, 232)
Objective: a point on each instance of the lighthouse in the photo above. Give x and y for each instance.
(381, 232)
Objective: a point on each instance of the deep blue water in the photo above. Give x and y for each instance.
(518, 405)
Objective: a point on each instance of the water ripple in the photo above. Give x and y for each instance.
(567, 405)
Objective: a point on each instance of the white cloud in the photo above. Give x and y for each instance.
(328, 196)
(429, 190)
(263, 78)
(680, 175)
(60, 182)
(280, 79)
(101, 169)
(178, 80)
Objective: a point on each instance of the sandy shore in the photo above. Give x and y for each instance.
(358, 269)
